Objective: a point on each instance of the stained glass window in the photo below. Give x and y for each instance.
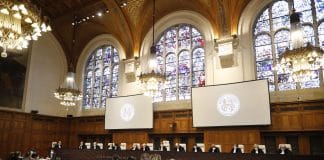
(171, 76)
(272, 37)
(321, 35)
(101, 77)
(184, 75)
(181, 56)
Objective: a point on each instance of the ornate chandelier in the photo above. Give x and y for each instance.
(20, 22)
(302, 60)
(68, 93)
(151, 79)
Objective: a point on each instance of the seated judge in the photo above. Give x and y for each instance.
(214, 149)
(95, 145)
(145, 147)
(256, 149)
(195, 148)
(111, 146)
(135, 147)
(283, 149)
(178, 148)
(117, 147)
(82, 145)
(236, 149)
(58, 145)
(163, 147)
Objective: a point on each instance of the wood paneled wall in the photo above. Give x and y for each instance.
(24, 131)
(130, 137)
(228, 137)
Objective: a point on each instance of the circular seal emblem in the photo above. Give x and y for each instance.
(127, 112)
(228, 104)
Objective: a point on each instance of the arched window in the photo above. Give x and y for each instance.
(101, 77)
(271, 34)
(181, 56)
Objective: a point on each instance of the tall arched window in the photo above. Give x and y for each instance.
(271, 34)
(181, 56)
(101, 77)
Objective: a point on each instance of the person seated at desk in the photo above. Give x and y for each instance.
(82, 145)
(178, 148)
(135, 147)
(95, 145)
(116, 147)
(111, 146)
(256, 149)
(163, 147)
(236, 149)
(214, 149)
(145, 147)
(58, 145)
(195, 148)
(283, 149)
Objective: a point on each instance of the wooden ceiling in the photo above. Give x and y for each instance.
(131, 23)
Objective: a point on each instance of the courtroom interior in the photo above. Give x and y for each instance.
(89, 78)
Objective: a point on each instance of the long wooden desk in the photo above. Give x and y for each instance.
(75, 154)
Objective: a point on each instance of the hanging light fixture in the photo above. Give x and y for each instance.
(68, 93)
(20, 22)
(151, 79)
(300, 61)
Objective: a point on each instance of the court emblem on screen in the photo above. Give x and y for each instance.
(228, 105)
(127, 112)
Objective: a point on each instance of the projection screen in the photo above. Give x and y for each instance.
(236, 104)
(130, 112)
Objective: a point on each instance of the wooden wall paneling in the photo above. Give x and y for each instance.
(45, 130)
(286, 121)
(173, 122)
(229, 137)
(130, 137)
(304, 146)
(191, 142)
(280, 140)
(23, 131)
(163, 122)
(313, 120)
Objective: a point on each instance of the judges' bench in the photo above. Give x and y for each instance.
(75, 154)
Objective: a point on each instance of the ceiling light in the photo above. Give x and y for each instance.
(300, 61)
(68, 92)
(151, 79)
